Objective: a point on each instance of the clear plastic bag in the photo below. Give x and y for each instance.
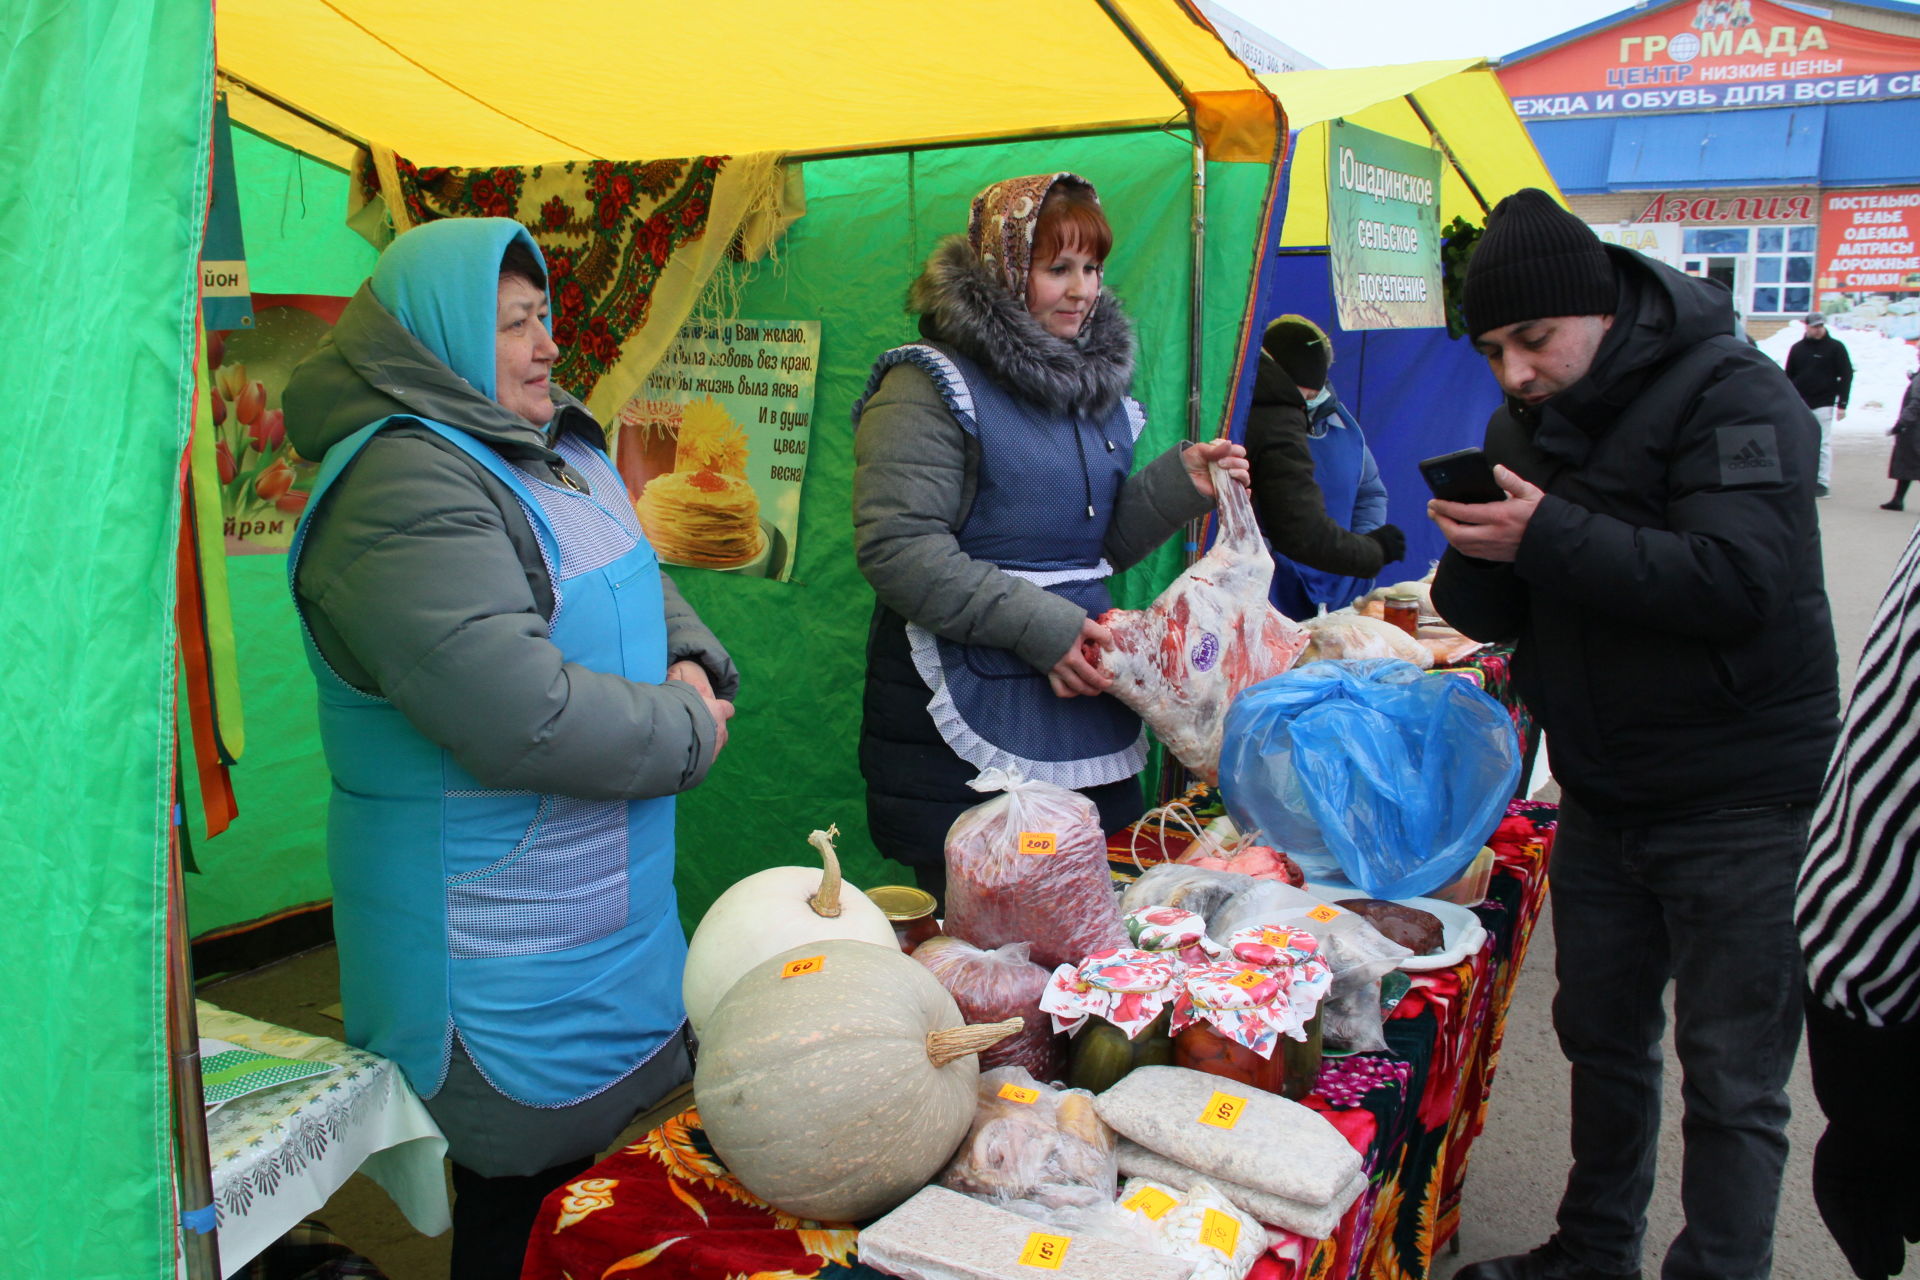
(992, 986)
(1036, 1150)
(1200, 890)
(1344, 635)
(1199, 1224)
(1209, 635)
(1030, 865)
(1371, 772)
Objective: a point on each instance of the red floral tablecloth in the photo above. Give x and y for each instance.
(665, 1207)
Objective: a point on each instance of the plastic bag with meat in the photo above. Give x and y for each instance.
(1208, 636)
(991, 986)
(1031, 866)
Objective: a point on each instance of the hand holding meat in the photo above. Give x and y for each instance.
(1224, 454)
(1078, 673)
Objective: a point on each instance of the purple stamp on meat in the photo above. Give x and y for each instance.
(1205, 652)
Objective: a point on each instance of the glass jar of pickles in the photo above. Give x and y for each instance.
(1255, 1018)
(1114, 1003)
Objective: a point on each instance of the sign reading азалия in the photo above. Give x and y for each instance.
(1383, 230)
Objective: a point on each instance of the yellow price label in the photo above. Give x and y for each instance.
(1014, 1093)
(800, 968)
(1247, 980)
(1151, 1201)
(1039, 842)
(1274, 937)
(1045, 1251)
(1324, 913)
(1220, 1231)
(1222, 1111)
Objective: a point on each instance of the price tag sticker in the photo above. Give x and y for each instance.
(801, 968)
(1151, 1201)
(1039, 842)
(1223, 1111)
(1044, 1251)
(1220, 1231)
(1247, 980)
(1274, 937)
(1014, 1093)
(1324, 913)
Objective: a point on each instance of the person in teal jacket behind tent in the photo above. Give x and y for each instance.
(511, 694)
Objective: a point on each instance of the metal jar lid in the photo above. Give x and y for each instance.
(901, 903)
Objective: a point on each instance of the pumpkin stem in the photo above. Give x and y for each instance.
(826, 901)
(957, 1042)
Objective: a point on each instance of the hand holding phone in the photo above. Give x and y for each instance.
(1462, 476)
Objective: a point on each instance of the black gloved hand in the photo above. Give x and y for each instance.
(1392, 543)
(1867, 1200)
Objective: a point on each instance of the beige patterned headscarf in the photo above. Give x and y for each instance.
(1003, 221)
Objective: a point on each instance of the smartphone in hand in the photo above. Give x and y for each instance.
(1463, 476)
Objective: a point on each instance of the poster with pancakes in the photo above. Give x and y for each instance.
(714, 447)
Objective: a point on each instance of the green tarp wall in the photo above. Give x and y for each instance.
(100, 219)
(790, 765)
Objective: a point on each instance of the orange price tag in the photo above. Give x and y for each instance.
(1324, 913)
(1039, 842)
(1151, 1201)
(1274, 937)
(1220, 1230)
(1014, 1093)
(1045, 1251)
(800, 968)
(1247, 980)
(1223, 1111)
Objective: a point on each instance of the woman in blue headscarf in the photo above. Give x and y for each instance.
(510, 694)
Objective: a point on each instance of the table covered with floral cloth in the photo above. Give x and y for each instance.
(666, 1207)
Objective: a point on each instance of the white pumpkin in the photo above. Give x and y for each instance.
(837, 1091)
(769, 912)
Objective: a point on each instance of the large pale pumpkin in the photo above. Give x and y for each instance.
(840, 1090)
(769, 912)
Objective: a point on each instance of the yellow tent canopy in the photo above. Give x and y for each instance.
(1457, 105)
(632, 79)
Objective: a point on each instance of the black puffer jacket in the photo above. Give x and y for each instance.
(1821, 371)
(1286, 498)
(1668, 601)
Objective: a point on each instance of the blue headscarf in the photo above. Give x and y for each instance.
(441, 281)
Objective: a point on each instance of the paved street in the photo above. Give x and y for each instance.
(1520, 1162)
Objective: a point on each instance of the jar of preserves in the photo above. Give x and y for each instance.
(1289, 1071)
(1115, 1003)
(1240, 1020)
(1402, 609)
(910, 910)
(1102, 1053)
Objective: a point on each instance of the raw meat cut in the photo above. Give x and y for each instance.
(1210, 634)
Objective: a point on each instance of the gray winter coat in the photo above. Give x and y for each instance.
(915, 469)
(421, 581)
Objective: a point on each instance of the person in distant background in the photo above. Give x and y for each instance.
(1316, 490)
(1903, 468)
(1821, 371)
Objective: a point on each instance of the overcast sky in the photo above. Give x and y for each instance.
(1374, 32)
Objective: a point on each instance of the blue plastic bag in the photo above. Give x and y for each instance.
(1370, 771)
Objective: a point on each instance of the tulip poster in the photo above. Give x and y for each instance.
(264, 484)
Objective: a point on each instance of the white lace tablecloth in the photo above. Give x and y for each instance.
(279, 1154)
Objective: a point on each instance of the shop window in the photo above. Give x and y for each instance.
(1803, 239)
(1766, 270)
(1717, 240)
(1769, 239)
(1696, 267)
(1799, 300)
(1765, 300)
(1800, 270)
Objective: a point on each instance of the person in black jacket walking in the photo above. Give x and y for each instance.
(1657, 562)
(1822, 372)
(1903, 468)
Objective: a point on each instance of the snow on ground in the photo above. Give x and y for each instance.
(1880, 368)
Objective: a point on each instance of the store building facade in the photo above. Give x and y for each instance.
(1773, 147)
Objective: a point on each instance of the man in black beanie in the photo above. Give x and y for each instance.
(1317, 492)
(1657, 562)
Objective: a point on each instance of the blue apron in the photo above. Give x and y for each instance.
(1045, 493)
(1339, 457)
(540, 929)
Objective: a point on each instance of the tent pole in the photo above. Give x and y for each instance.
(1446, 151)
(1196, 303)
(193, 1168)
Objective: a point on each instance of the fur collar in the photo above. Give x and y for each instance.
(962, 304)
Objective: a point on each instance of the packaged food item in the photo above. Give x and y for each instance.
(1175, 884)
(991, 986)
(1209, 635)
(1314, 1221)
(1030, 865)
(1034, 1149)
(1470, 888)
(1346, 636)
(1418, 931)
(1115, 1005)
(1199, 1224)
(1357, 955)
(1173, 932)
(1223, 1130)
(1255, 1023)
(1403, 611)
(943, 1235)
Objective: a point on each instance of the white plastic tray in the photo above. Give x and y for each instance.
(1461, 933)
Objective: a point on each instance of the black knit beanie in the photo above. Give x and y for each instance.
(1301, 349)
(1534, 260)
